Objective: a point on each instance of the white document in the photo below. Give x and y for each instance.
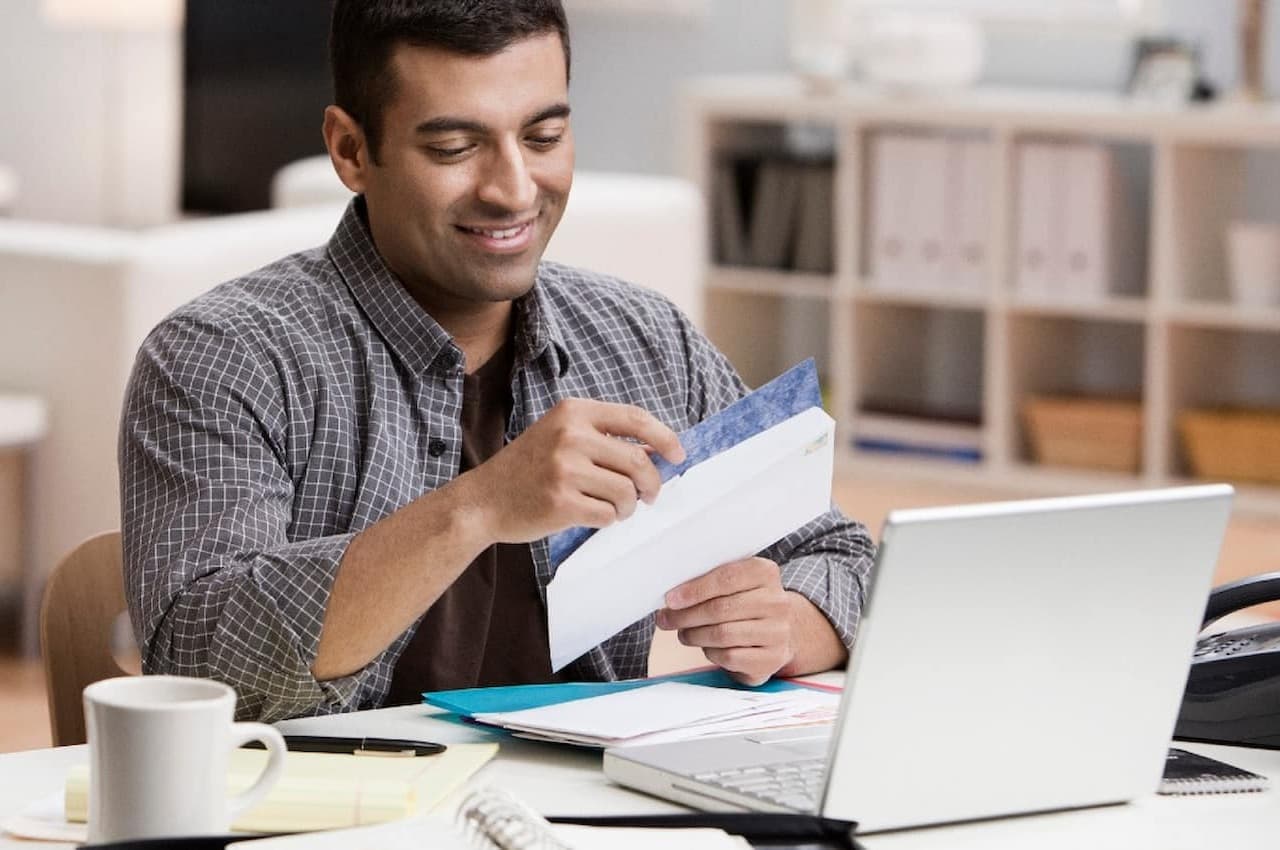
(724, 509)
(639, 711)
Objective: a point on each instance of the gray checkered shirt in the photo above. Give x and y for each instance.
(269, 421)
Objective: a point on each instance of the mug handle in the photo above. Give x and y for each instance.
(243, 733)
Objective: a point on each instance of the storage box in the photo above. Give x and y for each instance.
(1242, 445)
(1093, 433)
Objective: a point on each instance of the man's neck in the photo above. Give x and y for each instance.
(479, 333)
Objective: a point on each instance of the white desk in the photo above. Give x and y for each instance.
(559, 780)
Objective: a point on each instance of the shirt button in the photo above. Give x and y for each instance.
(436, 447)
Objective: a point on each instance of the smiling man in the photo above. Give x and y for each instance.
(339, 472)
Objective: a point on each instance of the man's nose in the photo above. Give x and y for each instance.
(508, 183)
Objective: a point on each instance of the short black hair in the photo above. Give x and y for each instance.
(364, 33)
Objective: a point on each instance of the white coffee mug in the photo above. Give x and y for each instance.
(158, 750)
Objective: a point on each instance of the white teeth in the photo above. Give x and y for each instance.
(497, 234)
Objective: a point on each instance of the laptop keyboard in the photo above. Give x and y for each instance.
(795, 784)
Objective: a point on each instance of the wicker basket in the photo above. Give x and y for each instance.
(1094, 433)
(1242, 445)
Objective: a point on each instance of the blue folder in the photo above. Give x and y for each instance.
(469, 702)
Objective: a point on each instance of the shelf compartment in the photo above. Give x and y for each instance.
(919, 380)
(1071, 357)
(772, 191)
(764, 335)
(930, 195)
(1210, 187)
(1080, 218)
(1219, 369)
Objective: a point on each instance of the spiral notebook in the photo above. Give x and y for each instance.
(1192, 773)
(492, 818)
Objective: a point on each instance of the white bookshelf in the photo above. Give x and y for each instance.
(1177, 344)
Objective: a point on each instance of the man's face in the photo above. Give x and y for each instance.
(473, 171)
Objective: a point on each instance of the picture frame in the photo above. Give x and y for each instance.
(1165, 71)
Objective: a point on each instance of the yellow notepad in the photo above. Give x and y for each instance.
(330, 790)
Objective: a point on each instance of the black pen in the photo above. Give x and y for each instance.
(356, 746)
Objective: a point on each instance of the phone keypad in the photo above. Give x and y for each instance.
(1223, 644)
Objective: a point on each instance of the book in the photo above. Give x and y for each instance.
(327, 790)
(1191, 773)
(814, 250)
(775, 213)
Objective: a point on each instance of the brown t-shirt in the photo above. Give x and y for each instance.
(490, 626)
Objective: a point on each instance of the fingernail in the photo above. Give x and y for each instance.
(673, 599)
(661, 618)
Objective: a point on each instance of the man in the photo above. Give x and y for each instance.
(339, 472)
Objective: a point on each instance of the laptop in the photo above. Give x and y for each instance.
(1012, 657)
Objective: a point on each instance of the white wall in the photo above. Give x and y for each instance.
(56, 104)
(627, 70)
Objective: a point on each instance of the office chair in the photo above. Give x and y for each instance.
(83, 598)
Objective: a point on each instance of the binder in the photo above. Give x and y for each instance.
(1086, 186)
(1037, 219)
(929, 223)
(815, 226)
(969, 211)
(730, 230)
(774, 214)
(890, 211)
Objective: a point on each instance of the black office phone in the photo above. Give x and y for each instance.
(1233, 688)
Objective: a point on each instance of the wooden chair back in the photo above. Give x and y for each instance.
(82, 600)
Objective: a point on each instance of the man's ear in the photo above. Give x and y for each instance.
(348, 148)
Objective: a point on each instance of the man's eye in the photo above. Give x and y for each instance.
(545, 142)
(448, 152)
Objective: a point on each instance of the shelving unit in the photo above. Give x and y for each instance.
(1172, 341)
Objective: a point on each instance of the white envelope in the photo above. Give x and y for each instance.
(726, 508)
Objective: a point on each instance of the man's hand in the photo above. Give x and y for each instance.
(570, 468)
(748, 624)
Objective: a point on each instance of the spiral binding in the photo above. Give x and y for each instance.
(493, 819)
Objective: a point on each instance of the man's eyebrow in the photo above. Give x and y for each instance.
(447, 124)
(559, 110)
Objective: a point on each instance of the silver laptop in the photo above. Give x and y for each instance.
(1013, 657)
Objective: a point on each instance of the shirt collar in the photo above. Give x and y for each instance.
(415, 337)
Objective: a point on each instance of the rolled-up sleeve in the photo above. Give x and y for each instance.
(828, 560)
(216, 587)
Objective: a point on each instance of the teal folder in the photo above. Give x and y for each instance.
(469, 702)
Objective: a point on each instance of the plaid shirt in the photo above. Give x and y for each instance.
(269, 421)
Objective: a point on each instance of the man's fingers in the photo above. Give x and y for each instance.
(631, 460)
(760, 633)
(750, 665)
(618, 491)
(625, 420)
(724, 580)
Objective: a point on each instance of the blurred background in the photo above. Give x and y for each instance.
(1034, 245)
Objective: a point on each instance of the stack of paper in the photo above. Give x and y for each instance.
(669, 711)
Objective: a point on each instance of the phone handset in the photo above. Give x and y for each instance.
(1237, 595)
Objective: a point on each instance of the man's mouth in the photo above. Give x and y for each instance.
(508, 238)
